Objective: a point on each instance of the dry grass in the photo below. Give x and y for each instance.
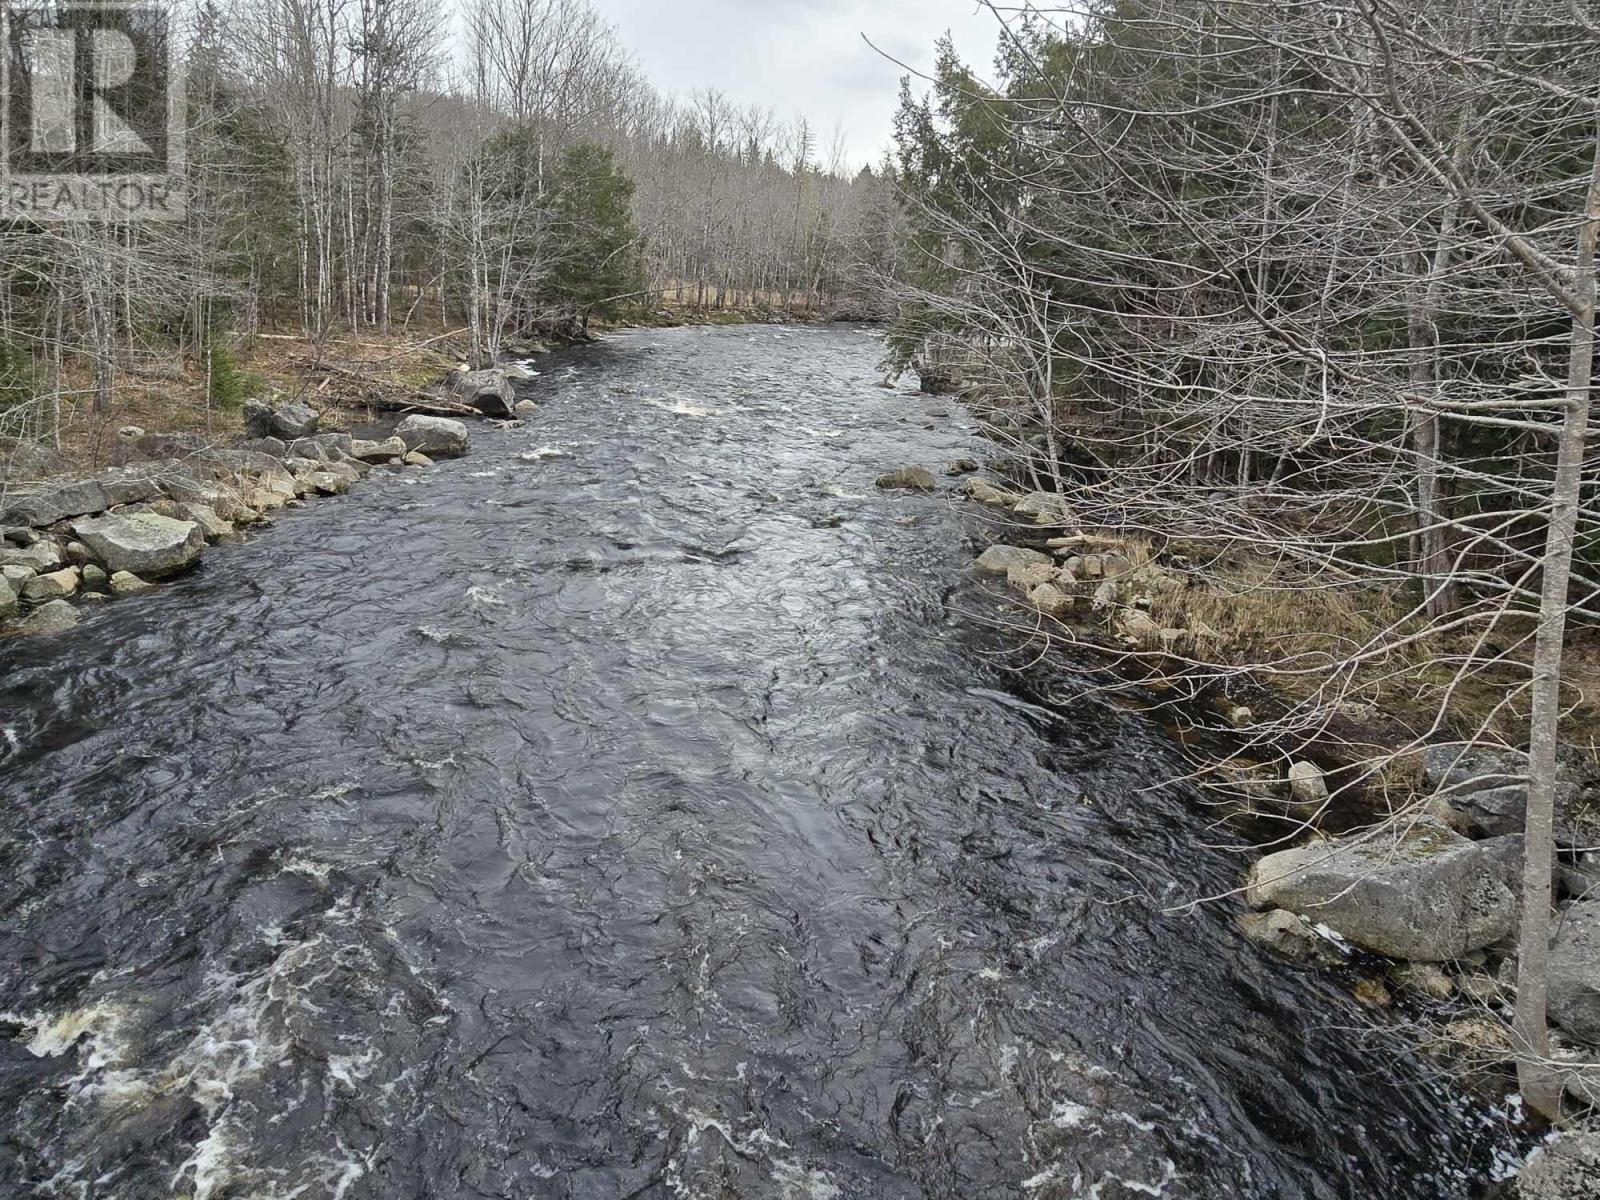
(339, 379)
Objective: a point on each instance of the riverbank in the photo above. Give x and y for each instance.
(1385, 799)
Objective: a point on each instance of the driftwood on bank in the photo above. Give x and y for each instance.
(380, 394)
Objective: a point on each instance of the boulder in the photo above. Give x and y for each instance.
(1027, 576)
(986, 493)
(94, 578)
(29, 460)
(1045, 508)
(41, 556)
(1308, 789)
(489, 392)
(1137, 625)
(8, 597)
(1050, 600)
(329, 483)
(415, 459)
(527, 409)
(998, 560)
(1565, 1168)
(1290, 936)
(125, 583)
(915, 479)
(57, 616)
(1418, 891)
(290, 421)
(437, 437)
(144, 543)
(1574, 972)
(274, 447)
(17, 576)
(57, 585)
(378, 452)
(1580, 879)
(1422, 979)
(203, 515)
(1489, 787)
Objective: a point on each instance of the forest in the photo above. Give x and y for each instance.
(367, 166)
(1305, 291)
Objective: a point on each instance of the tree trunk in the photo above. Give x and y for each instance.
(1541, 1086)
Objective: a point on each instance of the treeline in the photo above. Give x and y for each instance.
(1307, 281)
(499, 166)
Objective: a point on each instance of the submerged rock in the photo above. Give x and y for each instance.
(416, 459)
(998, 560)
(1574, 971)
(1289, 936)
(489, 392)
(437, 437)
(1417, 892)
(916, 479)
(55, 617)
(146, 544)
(962, 466)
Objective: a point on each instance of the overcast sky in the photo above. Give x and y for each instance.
(800, 57)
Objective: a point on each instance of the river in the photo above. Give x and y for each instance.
(634, 809)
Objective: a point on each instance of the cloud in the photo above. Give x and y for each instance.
(800, 57)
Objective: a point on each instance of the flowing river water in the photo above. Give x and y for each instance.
(634, 809)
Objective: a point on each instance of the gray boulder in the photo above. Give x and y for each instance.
(41, 556)
(125, 583)
(489, 392)
(915, 479)
(203, 515)
(146, 544)
(1489, 788)
(291, 421)
(1046, 508)
(57, 585)
(378, 452)
(8, 597)
(55, 617)
(1418, 891)
(284, 421)
(275, 447)
(986, 493)
(998, 560)
(1566, 1168)
(436, 437)
(1575, 972)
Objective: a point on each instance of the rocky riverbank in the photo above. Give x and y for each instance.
(1410, 898)
(68, 541)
